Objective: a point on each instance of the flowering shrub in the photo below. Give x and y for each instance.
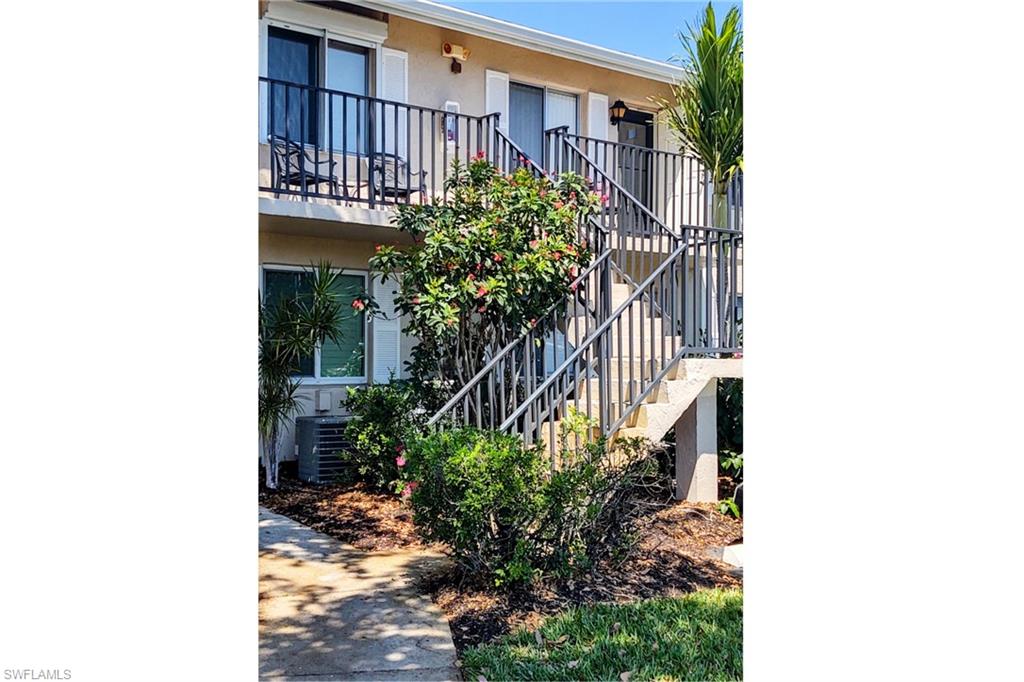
(384, 418)
(507, 517)
(486, 263)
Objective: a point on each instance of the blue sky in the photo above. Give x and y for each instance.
(644, 28)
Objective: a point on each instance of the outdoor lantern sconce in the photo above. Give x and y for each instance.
(618, 110)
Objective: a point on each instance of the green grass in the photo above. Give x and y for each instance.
(695, 637)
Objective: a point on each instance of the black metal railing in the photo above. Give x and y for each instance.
(675, 187)
(640, 240)
(515, 371)
(586, 358)
(508, 156)
(350, 148)
(686, 306)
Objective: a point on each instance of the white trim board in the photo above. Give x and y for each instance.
(343, 25)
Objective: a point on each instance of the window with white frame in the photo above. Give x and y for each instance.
(345, 361)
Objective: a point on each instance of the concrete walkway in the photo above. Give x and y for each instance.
(331, 612)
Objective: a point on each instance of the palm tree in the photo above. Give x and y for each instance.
(707, 115)
(289, 330)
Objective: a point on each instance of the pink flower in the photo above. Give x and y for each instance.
(533, 244)
(481, 292)
(604, 198)
(358, 304)
(471, 277)
(400, 461)
(559, 204)
(377, 248)
(480, 154)
(573, 286)
(498, 258)
(415, 300)
(482, 309)
(556, 255)
(409, 487)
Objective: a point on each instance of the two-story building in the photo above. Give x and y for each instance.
(364, 105)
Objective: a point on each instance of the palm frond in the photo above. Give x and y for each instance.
(707, 114)
(290, 330)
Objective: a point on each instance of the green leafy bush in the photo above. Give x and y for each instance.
(730, 415)
(384, 418)
(479, 492)
(506, 515)
(730, 439)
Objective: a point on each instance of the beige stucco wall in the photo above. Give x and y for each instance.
(431, 81)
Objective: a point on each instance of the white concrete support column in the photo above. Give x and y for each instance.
(697, 448)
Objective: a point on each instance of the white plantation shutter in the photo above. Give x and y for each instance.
(496, 99)
(665, 140)
(597, 128)
(387, 332)
(597, 115)
(395, 87)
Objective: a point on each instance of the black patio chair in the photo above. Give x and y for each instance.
(292, 166)
(392, 177)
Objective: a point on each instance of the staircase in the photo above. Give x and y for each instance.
(639, 345)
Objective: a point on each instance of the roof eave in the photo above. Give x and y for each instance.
(530, 38)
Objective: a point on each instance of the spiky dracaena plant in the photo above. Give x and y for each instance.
(289, 330)
(707, 115)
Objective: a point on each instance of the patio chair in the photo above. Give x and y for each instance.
(292, 165)
(392, 177)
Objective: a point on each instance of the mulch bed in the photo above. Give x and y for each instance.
(352, 513)
(670, 557)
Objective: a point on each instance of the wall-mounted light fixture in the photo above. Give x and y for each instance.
(618, 111)
(458, 54)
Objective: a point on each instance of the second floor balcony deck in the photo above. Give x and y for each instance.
(334, 148)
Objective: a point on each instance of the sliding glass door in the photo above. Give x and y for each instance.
(292, 57)
(532, 110)
(348, 70)
(560, 109)
(298, 112)
(526, 118)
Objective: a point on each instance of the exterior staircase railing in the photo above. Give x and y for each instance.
(675, 187)
(603, 358)
(635, 347)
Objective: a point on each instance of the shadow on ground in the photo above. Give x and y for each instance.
(329, 611)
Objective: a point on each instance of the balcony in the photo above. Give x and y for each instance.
(332, 155)
(337, 149)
